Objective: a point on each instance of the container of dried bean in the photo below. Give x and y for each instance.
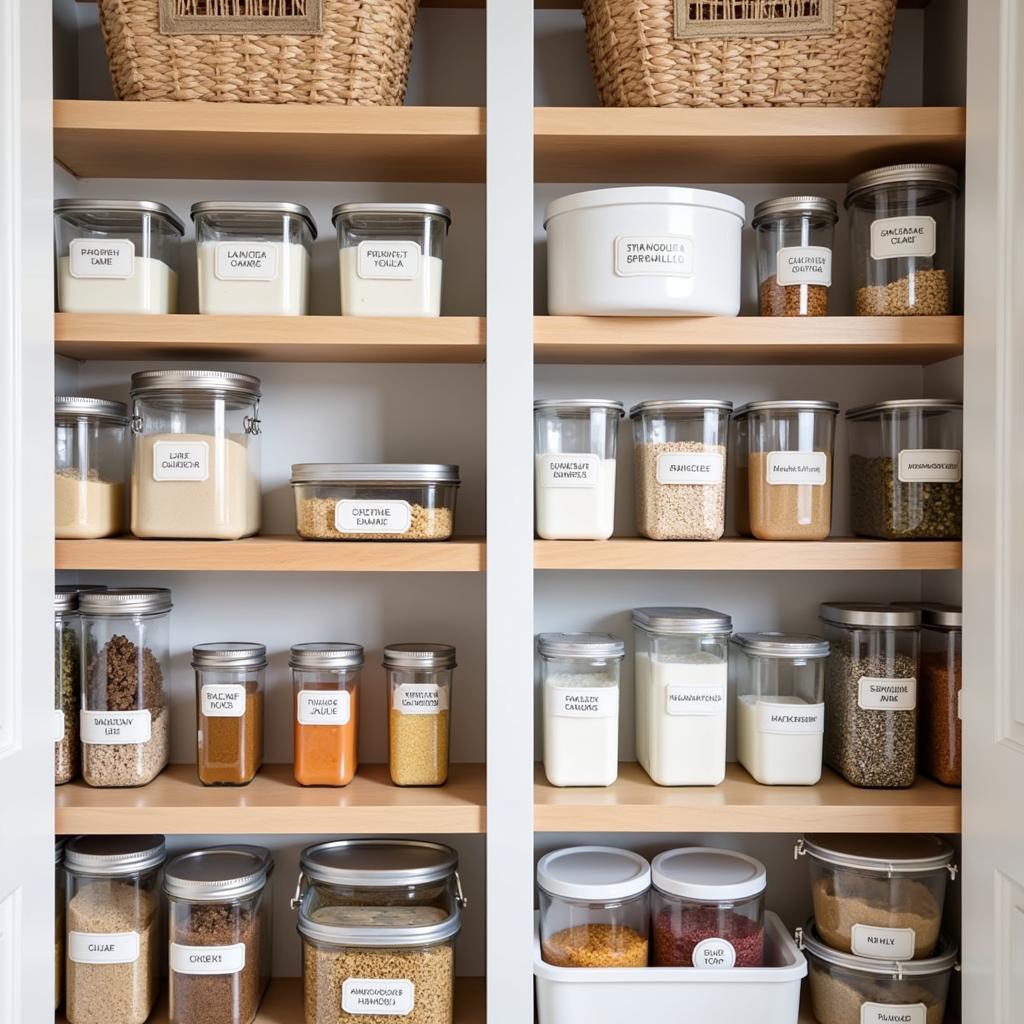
(905, 469)
(871, 693)
(938, 713)
(879, 896)
(794, 255)
(903, 240)
(59, 918)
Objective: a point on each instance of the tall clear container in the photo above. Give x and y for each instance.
(59, 919)
(939, 749)
(67, 658)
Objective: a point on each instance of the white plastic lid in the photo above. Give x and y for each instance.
(598, 873)
(646, 195)
(702, 873)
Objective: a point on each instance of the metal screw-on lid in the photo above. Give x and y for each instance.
(598, 873)
(425, 656)
(140, 601)
(925, 405)
(783, 645)
(902, 174)
(580, 645)
(941, 961)
(219, 382)
(787, 405)
(682, 620)
(326, 655)
(229, 655)
(378, 863)
(678, 405)
(707, 874)
(878, 852)
(218, 873)
(65, 595)
(879, 616)
(374, 473)
(818, 206)
(90, 408)
(228, 206)
(113, 855)
(378, 926)
(120, 206)
(400, 209)
(579, 404)
(942, 616)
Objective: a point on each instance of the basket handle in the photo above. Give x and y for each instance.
(743, 19)
(242, 17)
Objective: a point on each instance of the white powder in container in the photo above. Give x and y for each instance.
(779, 740)
(253, 278)
(575, 496)
(150, 287)
(581, 729)
(373, 285)
(87, 507)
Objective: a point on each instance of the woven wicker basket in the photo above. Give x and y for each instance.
(739, 53)
(260, 51)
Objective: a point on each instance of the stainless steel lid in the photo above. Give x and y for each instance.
(65, 595)
(90, 408)
(785, 405)
(218, 873)
(377, 926)
(580, 645)
(326, 655)
(375, 473)
(879, 616)
(221, 382)
(678, 405)
(926, 405)
(902, 174)
(428, 209)
(229, 655)
(818, 206)
(138, 601)
(579, 403)
(894, 854)
(944, 958)
(682, 620)
(783, 645)
(232, 206)
(377, 863)
(113, 855)
(942, 616)
(120, 206)
(425, 656)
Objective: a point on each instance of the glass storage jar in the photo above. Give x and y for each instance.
(325, 683)
(787, 466)
(67, 661)
(579, 677)
(125, 665)
(113, 928)
(90, 463)
(594, 907)
(905, 469)
(871, 693)
(230, 679)
(575, 444)
(59, 916)
(938, 713)
(196, 454)
(780, 709)
(879, 896)
(374, 501)
(220, 916)
(680, 682)
(794, 255)
(116, 256)
(419, 709)
(679, 450)
(391, 257)
(707, 909)
(253, 258)
(903, 240)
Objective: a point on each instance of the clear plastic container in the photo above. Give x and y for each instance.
(905, 469)
(785, 468)
(780, 706)
(680, 682)
(903, 240)
(794, 255)
(391, 257)
(879, 896)
(230, 679)
(220, 916)
(579, 677)
(575, 447)
(325, 684)
(253, 258)
(680, 454)
(67, 661)
(939, 751)
(116, 256)
(871, 693)
(374, 501)
(196, 454)
(125, 718)
(59, 918)
(594, 907)
(419, 712)
(91, 465)
(114, 938)
(707, 909)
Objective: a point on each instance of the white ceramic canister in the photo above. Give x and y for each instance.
(644, 251)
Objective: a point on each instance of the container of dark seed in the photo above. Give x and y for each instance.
(871, 693)
(905, 469)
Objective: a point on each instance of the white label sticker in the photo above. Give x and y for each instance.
(654, 256)
(246, 261)
(877, 694)
(111, 257)
(929, 465)
(395, 261)
(575, 470)
(226, 701)
(372, 516)
(798, 468)
(385, 998)
(58, 726)
(804, 264)
(181, 460)
(598, 702)
(103, 947)
(207, 959)
(714, 953)
(420, 699)
(695, 699)
(799, 718)
(320, 707)
(893, 237)
(893, 1013)
(882, 943)
(110, 727)
(691, 469)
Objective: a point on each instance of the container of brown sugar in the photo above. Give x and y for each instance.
(939, 682)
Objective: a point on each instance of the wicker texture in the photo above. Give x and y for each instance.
(638, 62)
(361, 57)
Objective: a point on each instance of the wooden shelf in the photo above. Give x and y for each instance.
(635, 804)
(842, 340)
(272, 339)
(175, 802)
(795, 144)
(743, 554)
(276, 142)
(271, 554)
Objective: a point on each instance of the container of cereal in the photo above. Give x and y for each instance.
(938, 713)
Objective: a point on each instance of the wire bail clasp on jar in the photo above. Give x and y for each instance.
(460, 897)
(799, 850)
(136, 421)
(296, 900)
(253, 424)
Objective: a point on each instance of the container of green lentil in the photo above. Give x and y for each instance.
(905, 469)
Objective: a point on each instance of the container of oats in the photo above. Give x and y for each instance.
(375, 500)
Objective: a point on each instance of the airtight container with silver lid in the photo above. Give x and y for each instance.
(116, 256)
(374, 500)
(644, 251)
(939, 749)
(253, 258)
(391, 257)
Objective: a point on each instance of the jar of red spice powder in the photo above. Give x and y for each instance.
(707, 909)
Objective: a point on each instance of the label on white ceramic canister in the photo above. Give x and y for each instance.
(103, 947)
(790, 718)
(576, 470)
(58, 726)
(804, 264)
(695, 699)
(580, 702)
(879, 694)
(929, 465)
(111, 727)
(420, 699)
(320, 707)
(797, 468)
(896, 237)
(372, 516)
(110, 257)
(385, 997)
(246, 261)
(714, 953)
(207, 959)
(691, 469)
(395, 261)
(882, 943)
(226, 701)
(181, 460)
(893, 1013)
(654, 256)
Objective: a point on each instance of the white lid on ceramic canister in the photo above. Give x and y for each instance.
(646, 195)
(703, 873)
(599, 873)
